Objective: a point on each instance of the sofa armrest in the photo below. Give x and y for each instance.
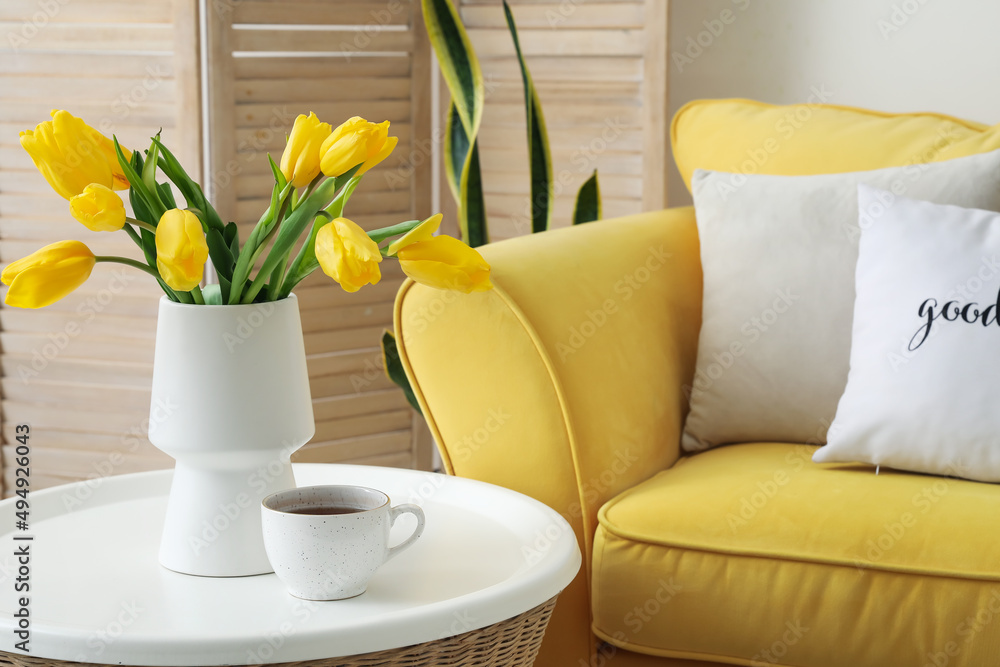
(565, 381)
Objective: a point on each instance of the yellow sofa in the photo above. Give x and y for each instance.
(566, 383)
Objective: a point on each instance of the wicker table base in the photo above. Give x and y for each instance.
(510, 643)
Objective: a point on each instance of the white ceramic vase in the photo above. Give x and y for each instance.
(230, 404)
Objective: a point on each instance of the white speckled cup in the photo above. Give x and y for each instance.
(331, 556)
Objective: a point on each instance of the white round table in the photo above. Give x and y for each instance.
(98, 594)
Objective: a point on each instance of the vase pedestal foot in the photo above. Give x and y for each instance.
(212, 527)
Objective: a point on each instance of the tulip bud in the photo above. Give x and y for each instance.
(356, 142)
(181, 249)
(444, 262)
(98, 208)
(71, 155)
(300, 161)
(47, 275)
(348, 255)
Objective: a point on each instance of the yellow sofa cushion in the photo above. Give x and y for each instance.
(752, 554)
(744, 136)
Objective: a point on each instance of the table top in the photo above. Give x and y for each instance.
(98, 593)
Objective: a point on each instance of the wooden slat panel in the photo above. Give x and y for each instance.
(557, 15)
(145, 38)
(348, 41)
(91, 11)
(87, 65)
(319, 67)
(618, 42)
(330, 89)
(341, 12)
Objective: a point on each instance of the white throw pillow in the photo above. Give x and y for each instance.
(778, 255)
(925, 353)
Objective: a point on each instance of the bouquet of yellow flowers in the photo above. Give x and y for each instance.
(319, 171)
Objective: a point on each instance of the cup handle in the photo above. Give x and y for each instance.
(393, 515)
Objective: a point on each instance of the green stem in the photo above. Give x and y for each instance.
(270, 233)
(197, 295)
(309, 190)
(128, 262)
(254, 246)
(379, 235)
(278, 277)
(134, 235)
(140, 223)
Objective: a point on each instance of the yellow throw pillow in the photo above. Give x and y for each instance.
(744, 136)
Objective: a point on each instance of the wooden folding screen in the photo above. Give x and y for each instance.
(600, 67)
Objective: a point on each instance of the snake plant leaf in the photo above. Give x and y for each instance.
(464, 176)
(539, 153)
(456, 152)
(472, 209)
(458, 61)
(588, 202)
(394, 368)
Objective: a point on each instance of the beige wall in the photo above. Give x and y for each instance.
(894, 55)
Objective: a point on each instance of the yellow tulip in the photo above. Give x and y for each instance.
(181, 249)
(348, 255)
(355, 142)
(444, 262)
(98, 208)
(71, 155)
(47, 275)
(422, 232)
(300, 161)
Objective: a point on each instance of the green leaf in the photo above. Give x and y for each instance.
(166, 195)
(279, 178)
(222, 258)
(456, 152)
(193, 194)
(588, 202)
(472, 211)
(149, 170)
(152, 207)
(232, 238)
(139, 207)
(539, 154)
(464, 176)
(458, 61)
(394, 368)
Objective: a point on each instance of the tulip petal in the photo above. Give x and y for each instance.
(386, 150)
(422, 232)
